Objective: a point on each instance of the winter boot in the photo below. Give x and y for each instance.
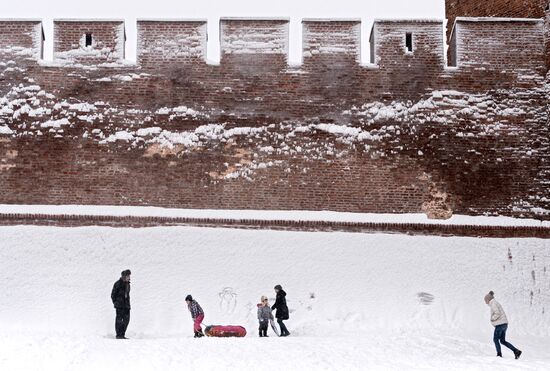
(200, 334)
(499, 355)
(517, 354)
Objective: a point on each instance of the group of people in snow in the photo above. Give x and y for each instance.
(120, 296)
(265, 312)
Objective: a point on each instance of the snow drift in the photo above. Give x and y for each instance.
(57, 281)
(60, 279)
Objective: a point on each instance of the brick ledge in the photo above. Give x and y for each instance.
(289, 225)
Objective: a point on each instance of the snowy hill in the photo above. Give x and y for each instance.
(357, 301)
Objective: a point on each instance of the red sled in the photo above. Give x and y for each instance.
(225, 331)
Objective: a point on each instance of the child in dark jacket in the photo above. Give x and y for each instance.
(264, 315)
(197, 314)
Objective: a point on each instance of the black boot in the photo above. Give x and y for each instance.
(517, 354)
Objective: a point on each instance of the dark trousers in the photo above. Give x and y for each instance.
(263, 328)
(122, 320)
(500, 338)
(284, 330)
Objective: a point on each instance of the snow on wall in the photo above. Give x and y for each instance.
(249, 36)
(29, 111)
(264, 36)
(21, 38)
(388, 42)
(159, 41)
(331, 37)
(503, 44)
(320, 135)
(108, 38)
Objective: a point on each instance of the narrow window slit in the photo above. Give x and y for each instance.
(409, 42)
(88, 39)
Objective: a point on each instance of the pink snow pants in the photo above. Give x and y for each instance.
(198, 321)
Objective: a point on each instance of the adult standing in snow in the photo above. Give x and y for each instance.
(282, 309)
(500, 322)
(197, 314)
(121, 300)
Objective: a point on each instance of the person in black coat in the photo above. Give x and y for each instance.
(121, 300)
(282, 309)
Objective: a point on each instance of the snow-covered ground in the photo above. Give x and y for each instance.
(357, 301)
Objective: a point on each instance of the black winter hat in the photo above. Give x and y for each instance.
(278, 287)
(125, 273)
(188, 298)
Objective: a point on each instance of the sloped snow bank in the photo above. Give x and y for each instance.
(356, 300)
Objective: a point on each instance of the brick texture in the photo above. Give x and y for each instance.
(493, 8)
(286, 225)
(107, 41)
(22, 39)
(174, 42)
(407, 134)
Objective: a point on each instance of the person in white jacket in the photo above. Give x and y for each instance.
(500, 322)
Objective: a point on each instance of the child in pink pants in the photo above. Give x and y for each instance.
(197, 314)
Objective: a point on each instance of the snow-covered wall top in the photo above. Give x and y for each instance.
(254, 36)
(89, 41)
(161, 42)
(493, 8)
(502, 41)
(389, 43)
(332, 37)
(23, 38)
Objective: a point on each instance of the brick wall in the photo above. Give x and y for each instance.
(407, 134)
(500, 44)
(172, 42)
(446, 230)
(22, 38)
(493, 8)
(339, 40)
(107, 40)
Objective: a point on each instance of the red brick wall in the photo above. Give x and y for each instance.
(107, 40)
(493, 8)
(23, 38)
(406, 135)
(477, 43)
(170, 42)
(331, 41)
